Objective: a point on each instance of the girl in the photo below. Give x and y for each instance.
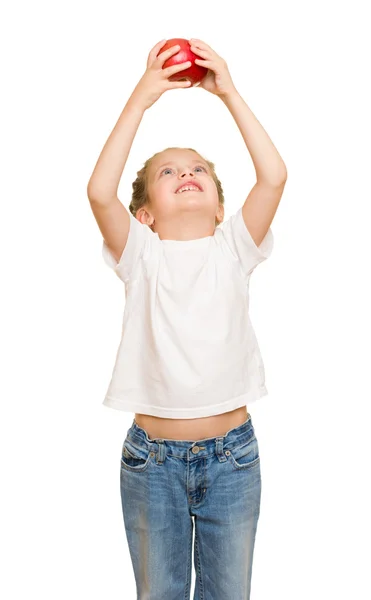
(188, 361)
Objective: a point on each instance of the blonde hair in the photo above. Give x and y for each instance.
(140, 195)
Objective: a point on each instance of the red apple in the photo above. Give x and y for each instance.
(194, 73)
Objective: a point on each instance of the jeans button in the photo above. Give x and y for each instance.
(195, 449)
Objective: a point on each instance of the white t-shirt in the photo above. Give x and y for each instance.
(188, 348)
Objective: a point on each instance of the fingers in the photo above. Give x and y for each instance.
(161, 58)
(158, 46)
(180, 84)
(201, 53)
(155, 50)
(176, 68)
(202, 49)
(204, 63)
(199, 44)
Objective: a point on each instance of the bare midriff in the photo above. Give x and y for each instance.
(191, 429)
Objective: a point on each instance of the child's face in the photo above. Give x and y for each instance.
(168, 172)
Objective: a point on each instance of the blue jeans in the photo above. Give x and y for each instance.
(164, 483)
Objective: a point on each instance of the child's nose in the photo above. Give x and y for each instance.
(184, 173)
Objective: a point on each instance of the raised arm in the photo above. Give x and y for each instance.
(262, 202)
(112, 217)
(104, 181)
(263, 199)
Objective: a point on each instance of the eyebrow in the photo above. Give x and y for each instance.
(172, 162)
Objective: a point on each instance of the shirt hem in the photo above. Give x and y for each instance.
(185, 413)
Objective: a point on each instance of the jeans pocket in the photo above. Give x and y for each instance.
(245, 456)
(134, 459)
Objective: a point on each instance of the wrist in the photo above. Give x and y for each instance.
(229, 95)
(136, 104)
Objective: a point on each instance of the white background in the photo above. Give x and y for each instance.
(68, 69)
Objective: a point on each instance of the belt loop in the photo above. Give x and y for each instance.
(219, 448)
(161, 451)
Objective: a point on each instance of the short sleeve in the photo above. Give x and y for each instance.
(139, 235)
(239, 240)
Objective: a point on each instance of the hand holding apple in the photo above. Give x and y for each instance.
(194, 73)
(156, 79)
(218, 79)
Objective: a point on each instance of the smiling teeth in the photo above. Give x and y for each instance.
(188, 188)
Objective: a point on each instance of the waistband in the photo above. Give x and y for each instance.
(238, 436)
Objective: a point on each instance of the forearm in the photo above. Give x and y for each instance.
(268, 164)
(105, 179)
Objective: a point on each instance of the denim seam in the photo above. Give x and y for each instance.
(198, 564)
(189, 566)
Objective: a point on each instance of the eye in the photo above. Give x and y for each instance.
(197, 167)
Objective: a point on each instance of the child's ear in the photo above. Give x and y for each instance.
(220, 213)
